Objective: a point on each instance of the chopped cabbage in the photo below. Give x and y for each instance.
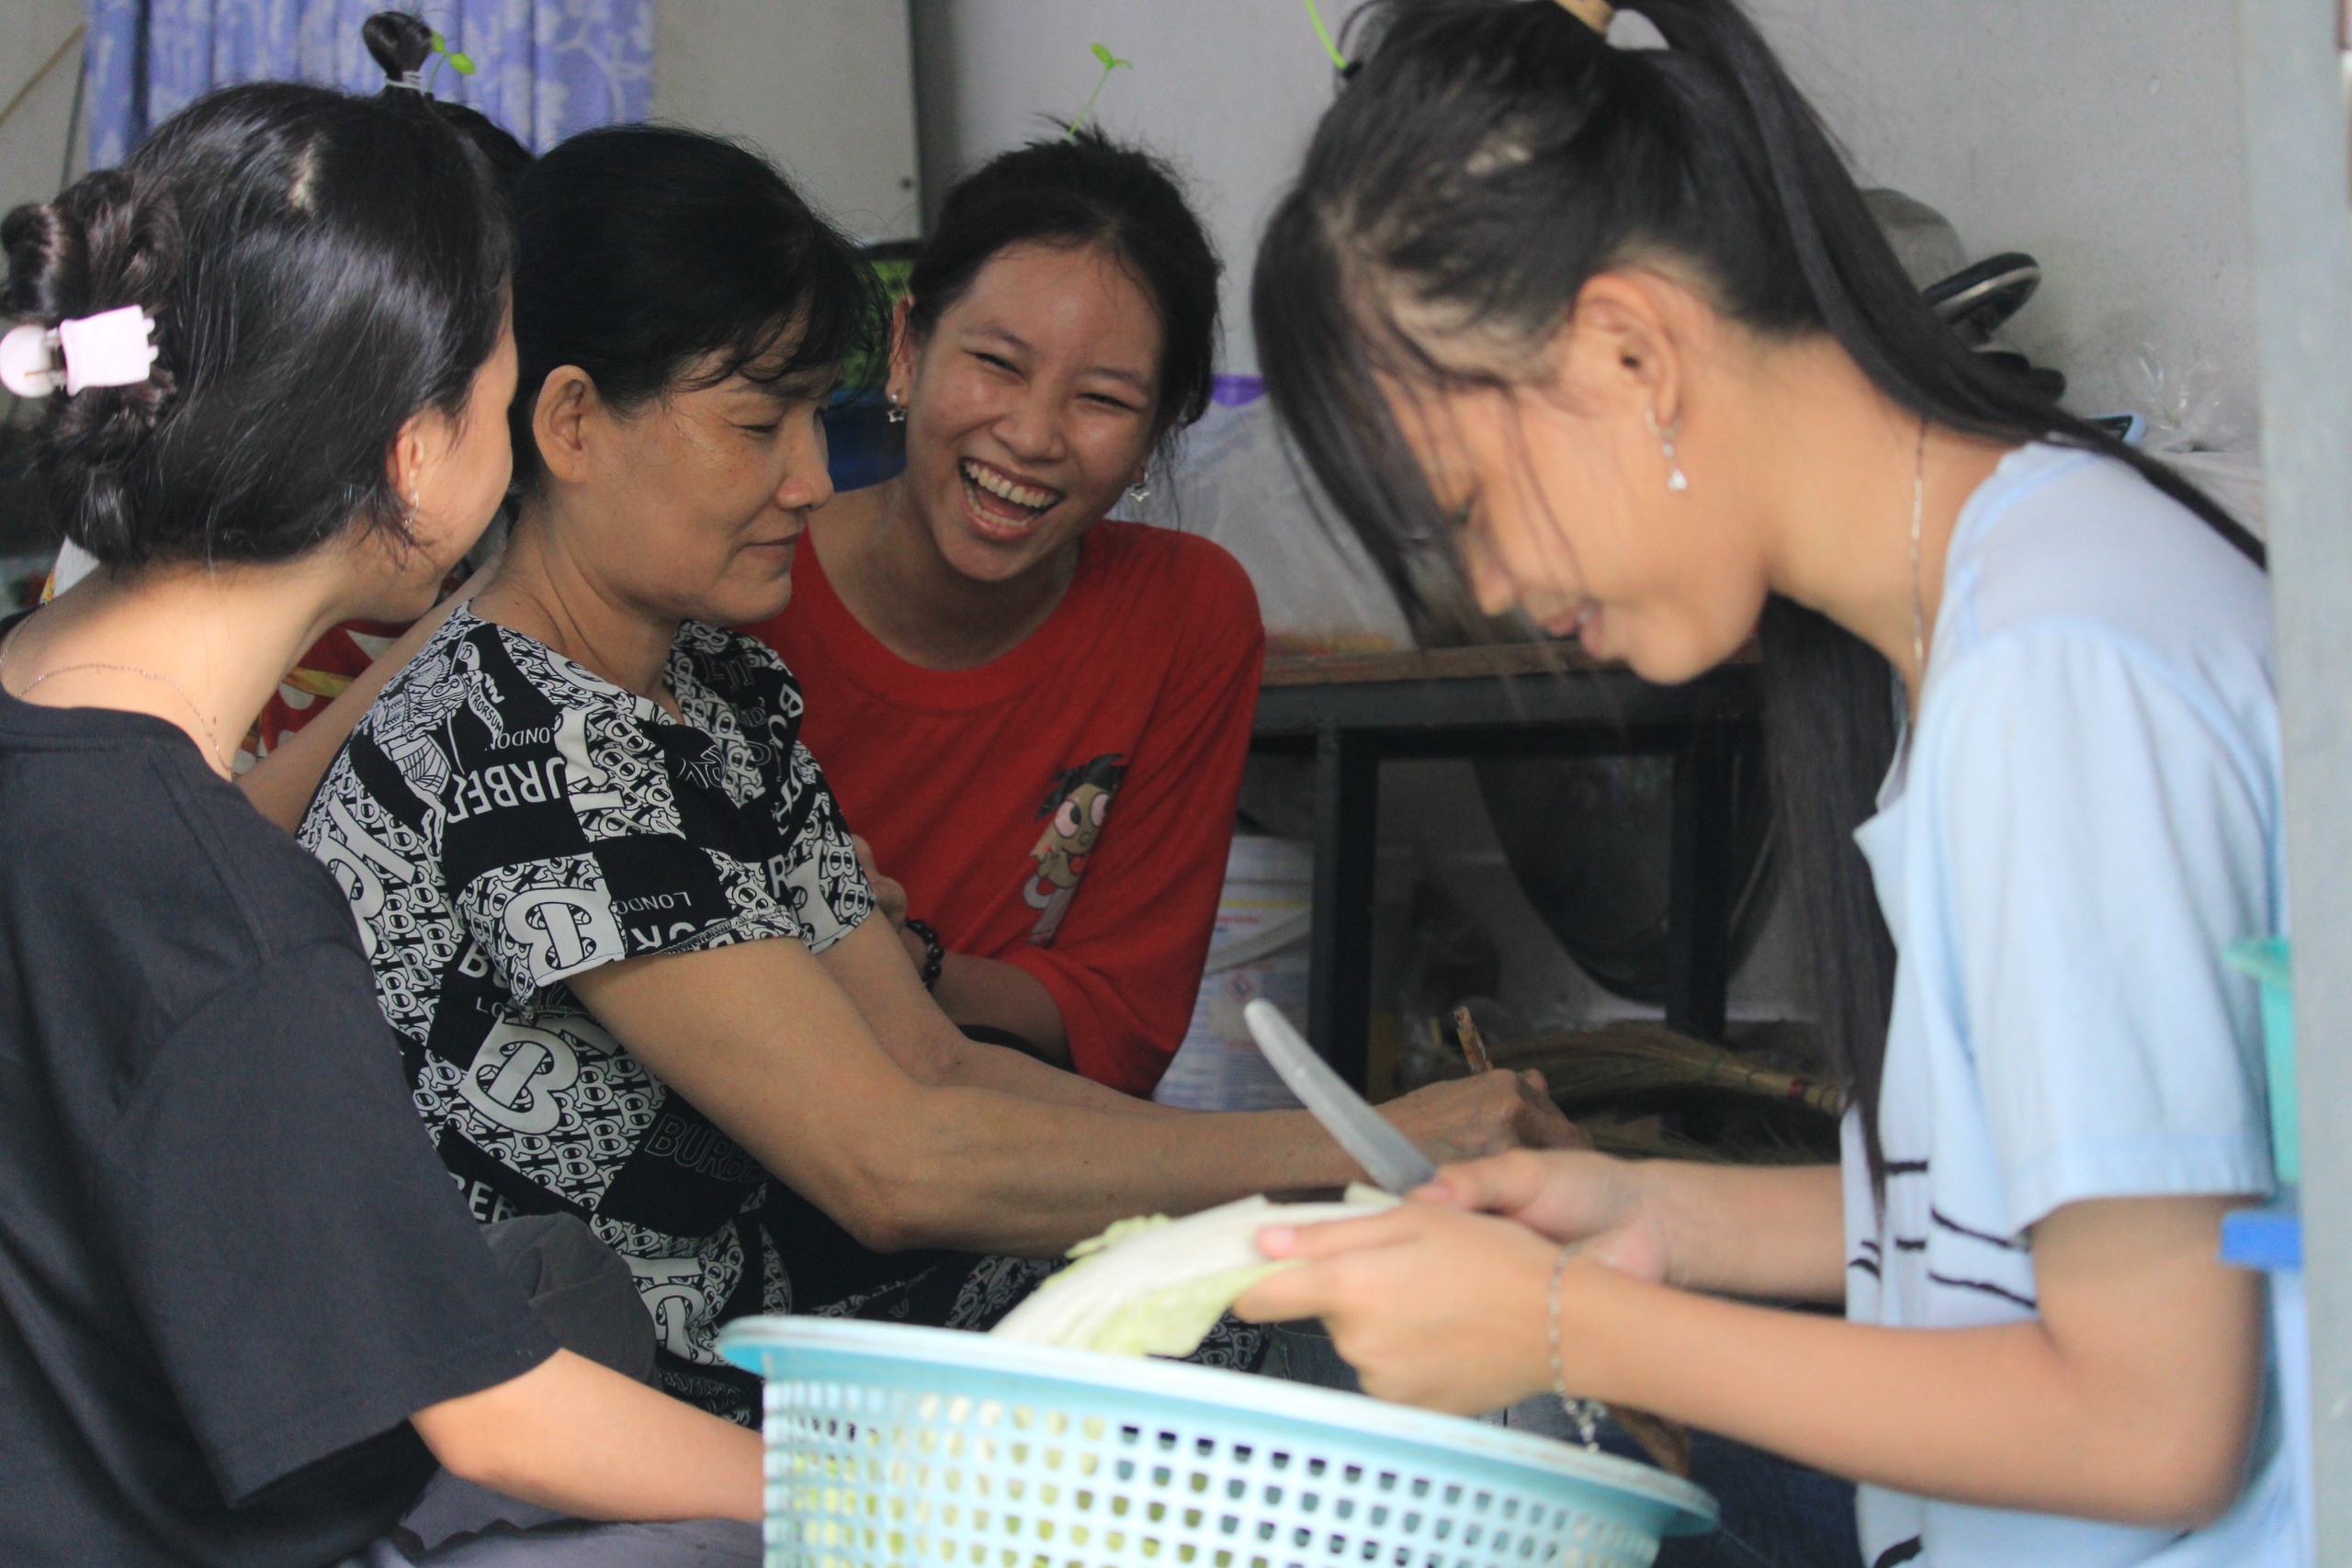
(1153, 1286)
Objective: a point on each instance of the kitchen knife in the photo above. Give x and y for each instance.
(1387, 1155)
(1395, 1166)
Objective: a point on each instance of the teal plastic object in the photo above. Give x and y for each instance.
(895, 1447)
(2271, 961)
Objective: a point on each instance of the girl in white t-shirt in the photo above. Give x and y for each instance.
(1609, 332)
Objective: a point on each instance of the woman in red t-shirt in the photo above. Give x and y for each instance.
(1038, 718)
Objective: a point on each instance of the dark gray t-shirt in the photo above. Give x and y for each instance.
(230, 1265)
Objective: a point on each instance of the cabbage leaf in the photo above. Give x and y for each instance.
(1153, 1286)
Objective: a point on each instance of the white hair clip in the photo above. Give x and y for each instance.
(113, 348)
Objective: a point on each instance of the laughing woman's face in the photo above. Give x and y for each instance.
(1032, 405)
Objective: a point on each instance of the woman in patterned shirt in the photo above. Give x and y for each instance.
(613, 911)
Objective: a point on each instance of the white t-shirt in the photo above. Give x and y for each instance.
(2086, 814)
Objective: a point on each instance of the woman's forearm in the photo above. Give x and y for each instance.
(2131, 1395)
(2000, 1415)
(879, 978)
(977, 1180)
(980, 1180)
(886, 1142)
(580, 1439)
(976, 1065)
(1773, 1232)
(1778, 1234)
(996, 995)
(762, 1039)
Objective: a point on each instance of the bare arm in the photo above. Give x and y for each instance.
(280, 785)
(2130, 1397)
(761, 1038)
(879, 978)
(1774, 1231)
(585, 1440)
(988, 991)
(972, 989)
(888, 992)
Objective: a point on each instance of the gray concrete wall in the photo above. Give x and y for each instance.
(32, 138)
(824, 86)
(2103, 136)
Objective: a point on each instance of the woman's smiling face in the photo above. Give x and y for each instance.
(1032, 404)
(692, 507)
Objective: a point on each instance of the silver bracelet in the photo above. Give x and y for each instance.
(1585, 1413)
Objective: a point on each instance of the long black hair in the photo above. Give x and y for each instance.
(1079, 190)
(320, 267)
(1489, 159)
(659, 259)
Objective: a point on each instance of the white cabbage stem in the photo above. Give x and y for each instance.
(1154, 1286)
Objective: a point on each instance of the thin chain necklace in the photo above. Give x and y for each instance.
(1918, 600)
(211, 736)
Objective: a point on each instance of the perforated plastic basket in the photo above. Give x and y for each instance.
(891, 1446)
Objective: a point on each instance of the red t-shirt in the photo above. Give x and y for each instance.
(1066, 808)
(336, 660)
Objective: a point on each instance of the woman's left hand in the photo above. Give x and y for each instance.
(890, 895)
(1433, 1306)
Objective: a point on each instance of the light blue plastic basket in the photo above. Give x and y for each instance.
(891, 1446)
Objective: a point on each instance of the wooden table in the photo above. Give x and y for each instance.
(1351, 712)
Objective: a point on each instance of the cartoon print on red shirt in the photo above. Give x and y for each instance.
(1153, 654)
(1076, 807)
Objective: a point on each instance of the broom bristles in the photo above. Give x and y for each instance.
(1622, 1060)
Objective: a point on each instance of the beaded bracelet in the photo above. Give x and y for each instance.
(1585, 1413)
(934, 952)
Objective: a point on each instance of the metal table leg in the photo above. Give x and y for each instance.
(1698, 963)
(1347, 825)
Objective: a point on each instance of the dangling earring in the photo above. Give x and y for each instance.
(1675, 477)
(896, 415)
(1140, 492)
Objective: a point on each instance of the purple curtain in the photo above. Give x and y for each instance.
(544, 68)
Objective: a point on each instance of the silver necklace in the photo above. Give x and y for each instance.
(211, 736)
(1918, 600)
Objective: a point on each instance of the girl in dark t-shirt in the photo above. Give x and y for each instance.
(242, 1312)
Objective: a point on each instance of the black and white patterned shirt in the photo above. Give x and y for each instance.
(504, 819)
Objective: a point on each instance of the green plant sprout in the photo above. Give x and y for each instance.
(1339, 61)
(1110, 62)
(463, 64)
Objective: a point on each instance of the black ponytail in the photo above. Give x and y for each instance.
(401, 42)
(1490, 158)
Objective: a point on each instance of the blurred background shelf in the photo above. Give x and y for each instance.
(1352, 711)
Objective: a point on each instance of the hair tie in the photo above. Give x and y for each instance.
(1594, 14)
(113, 348)
(412, 79)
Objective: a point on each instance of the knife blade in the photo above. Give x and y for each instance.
(1387, 1155)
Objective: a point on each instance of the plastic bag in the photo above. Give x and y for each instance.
(1234, 483)
(2190, 427)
